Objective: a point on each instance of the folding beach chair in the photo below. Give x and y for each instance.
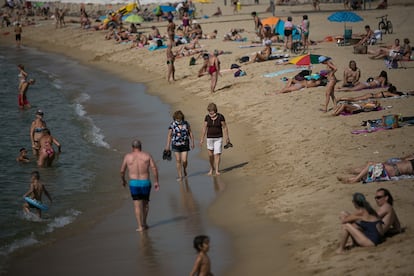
(345, 40)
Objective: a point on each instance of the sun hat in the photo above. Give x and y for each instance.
(322, 59)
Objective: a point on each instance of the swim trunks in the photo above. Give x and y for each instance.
(18, 37)
(22, 100)
(212, 69)
(288, 32)
(140, 189)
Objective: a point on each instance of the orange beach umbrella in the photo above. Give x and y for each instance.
(271, 21)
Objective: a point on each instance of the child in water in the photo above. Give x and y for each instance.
(202, 263)
(35, 191)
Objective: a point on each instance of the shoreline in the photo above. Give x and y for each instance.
(293, 154)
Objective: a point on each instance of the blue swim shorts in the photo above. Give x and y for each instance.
(140, 189)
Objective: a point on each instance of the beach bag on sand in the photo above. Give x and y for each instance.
(390, 121)
(192, 61)
(244, 59)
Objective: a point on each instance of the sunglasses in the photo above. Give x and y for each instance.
(379, 197)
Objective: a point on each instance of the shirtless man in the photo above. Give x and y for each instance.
(404, 167)
(367, 36)
(138, 164)
(214, 69)
(386, 211)
(170, 62)
(36, 191)
(171, 30)
(351, 75)
(18, 32)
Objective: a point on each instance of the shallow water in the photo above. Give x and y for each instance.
(95, 116)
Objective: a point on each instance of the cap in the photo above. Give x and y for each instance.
(39, 112)
(322, 59)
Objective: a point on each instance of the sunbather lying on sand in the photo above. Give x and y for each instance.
(264, 54)
(377, 82)
(391, 92)
(353, 108)
(381, 171)
(295, 85)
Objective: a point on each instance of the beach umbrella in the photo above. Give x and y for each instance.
(271, 21)
(345, 16)
(307, 59)
(134, 18)
(167, 8)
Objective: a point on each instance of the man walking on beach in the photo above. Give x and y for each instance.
(138, 164)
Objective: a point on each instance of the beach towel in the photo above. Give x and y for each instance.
(376, 172)
(155, 47)
(281, 72)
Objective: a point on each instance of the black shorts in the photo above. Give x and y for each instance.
(18, 37)
(288, 32)
(182, 148)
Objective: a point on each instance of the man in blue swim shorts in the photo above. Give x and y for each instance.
(139, 164)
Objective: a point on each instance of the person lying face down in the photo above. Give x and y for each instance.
(295, 84)
(380, 171)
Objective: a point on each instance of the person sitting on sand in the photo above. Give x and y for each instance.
(380, 171)
(391, 92)
(218, 12)
(204, 68)
(234, 35)
(196, 32)
(365, 38)
(386, 212)
(189, 46)
(264, 54)
(364, 226)
(406, 51)
(351, 75)
(385, 52)
(353, 108)
(377, 82)
(155, 33)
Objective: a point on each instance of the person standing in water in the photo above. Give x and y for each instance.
(35, 191)
(138, 163)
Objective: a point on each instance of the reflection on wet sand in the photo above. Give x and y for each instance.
(219, 186)
(191, 208)
(149, 254)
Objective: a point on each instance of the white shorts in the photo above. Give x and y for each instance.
(215, 144)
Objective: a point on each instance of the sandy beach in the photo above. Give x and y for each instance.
(282, 197)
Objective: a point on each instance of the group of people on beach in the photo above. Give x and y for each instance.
(42, 143)
(180, 140)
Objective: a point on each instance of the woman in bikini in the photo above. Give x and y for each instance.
(377, 82)
(364, 226)
(36, 131)
(295, 85)
(330, 87)
(391, 92)
(47, 152)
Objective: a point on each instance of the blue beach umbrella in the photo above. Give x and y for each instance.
(167, 8)
(345, 16)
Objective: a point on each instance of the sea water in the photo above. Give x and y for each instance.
(81, 107)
